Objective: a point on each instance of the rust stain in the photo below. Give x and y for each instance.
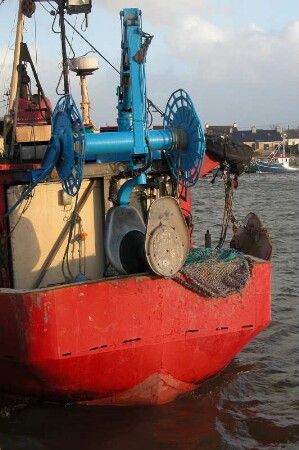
(36, 299)
(46, 312)
(22, 334)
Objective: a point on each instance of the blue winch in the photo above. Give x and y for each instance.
(132, 244)
(181, 141)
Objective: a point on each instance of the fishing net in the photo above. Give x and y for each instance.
(215, 272)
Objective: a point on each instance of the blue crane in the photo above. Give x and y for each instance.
(181, 141)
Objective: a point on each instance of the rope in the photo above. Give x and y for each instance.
(65, 259)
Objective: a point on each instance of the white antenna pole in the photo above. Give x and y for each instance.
(16, 60)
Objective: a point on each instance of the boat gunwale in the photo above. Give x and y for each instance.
(139, 276)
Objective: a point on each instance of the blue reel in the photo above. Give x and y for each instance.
(66, 149)
(69, 130)
(185, 164)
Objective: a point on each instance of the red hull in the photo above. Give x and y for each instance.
(136, 339)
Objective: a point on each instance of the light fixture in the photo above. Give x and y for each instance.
(78, 6)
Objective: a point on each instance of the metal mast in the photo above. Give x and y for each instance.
(16, 60)
(65, 69)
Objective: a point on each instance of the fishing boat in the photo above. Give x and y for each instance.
(278, 165)
(104, 299)
(277, 162)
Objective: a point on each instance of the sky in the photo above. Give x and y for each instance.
(237, 59)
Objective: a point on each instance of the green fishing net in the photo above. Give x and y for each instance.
(215, 272)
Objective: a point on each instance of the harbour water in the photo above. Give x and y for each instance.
(253, 404)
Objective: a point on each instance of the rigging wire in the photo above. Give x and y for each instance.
(73, 236)
(9, 45)
(72, 39)
(150, 103)
(264, 126)
(94, 49)
(25, 208)
(35, 40)
(65, 259)
(5, 254)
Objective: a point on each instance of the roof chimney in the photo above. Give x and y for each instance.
(253, 129)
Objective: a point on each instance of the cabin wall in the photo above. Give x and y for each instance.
(33, 133)
(35, 234)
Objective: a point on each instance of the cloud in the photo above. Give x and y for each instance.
(242, 73)
(232, 69)
(217, 55)
(222, 55)
(159, 12)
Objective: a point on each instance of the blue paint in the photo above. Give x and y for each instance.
(181, 140)
(121, 143)
(126, 189)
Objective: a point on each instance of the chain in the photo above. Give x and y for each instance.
(229, 185)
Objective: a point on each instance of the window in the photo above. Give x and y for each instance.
(266, 146)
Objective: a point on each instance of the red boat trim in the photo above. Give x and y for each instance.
(68, 343)
(19, 167)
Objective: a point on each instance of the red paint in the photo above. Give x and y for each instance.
(208, 165)
(126, 340)
(11, 174)
(4, 246)
(9, 167)
(32, 112)
(137, 339)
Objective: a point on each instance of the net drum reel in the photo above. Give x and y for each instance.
(181, 141)
(65, 151)
(68, 143)
(186, 158)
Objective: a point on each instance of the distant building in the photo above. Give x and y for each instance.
(292, 137)
(262, 140)
(220, 130)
